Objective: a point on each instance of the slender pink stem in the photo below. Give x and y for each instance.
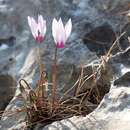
(54, 77)
(41, 81)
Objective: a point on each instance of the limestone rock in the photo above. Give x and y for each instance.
(18, 61)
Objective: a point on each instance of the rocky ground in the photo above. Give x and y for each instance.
(96, 25)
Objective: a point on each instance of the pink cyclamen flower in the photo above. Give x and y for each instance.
(60, 32)
(38, 28)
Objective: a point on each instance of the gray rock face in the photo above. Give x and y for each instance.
(20, 59)
(113, 111)
(7, 85)
(86, 15)
(112, 114)
(100, 39)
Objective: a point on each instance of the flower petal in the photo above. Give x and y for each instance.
(61, 32)
(29, 20)
(55, 30)
(68, 28)
(41, 25)
(33, 26)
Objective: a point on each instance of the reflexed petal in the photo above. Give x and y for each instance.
(33, 26)
(41, 25)
(44, 29)
(61, 31)
(68, 28)
(29, 20)
(40, 20)
(55, 30)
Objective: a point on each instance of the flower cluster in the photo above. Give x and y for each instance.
(60, 32)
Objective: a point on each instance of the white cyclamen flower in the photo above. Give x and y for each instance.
(38, 28)
(60, 32)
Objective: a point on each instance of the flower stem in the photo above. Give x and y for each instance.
(41, 67)
(39, 60)
(54, 77)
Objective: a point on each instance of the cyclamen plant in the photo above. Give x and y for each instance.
(60, 34)
(38, 29)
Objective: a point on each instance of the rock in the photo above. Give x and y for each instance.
(19, 60)
(100, 39)
(121, 59)
(124, 42)
(113, 111)
(11, 41)
(8, 86)
(111, 114)
(14, 23)
(16, 103)
(17, 119)
(123, 80)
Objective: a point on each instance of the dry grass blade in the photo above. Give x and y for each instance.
(80, 80)
(71, 88)
(116, 41)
